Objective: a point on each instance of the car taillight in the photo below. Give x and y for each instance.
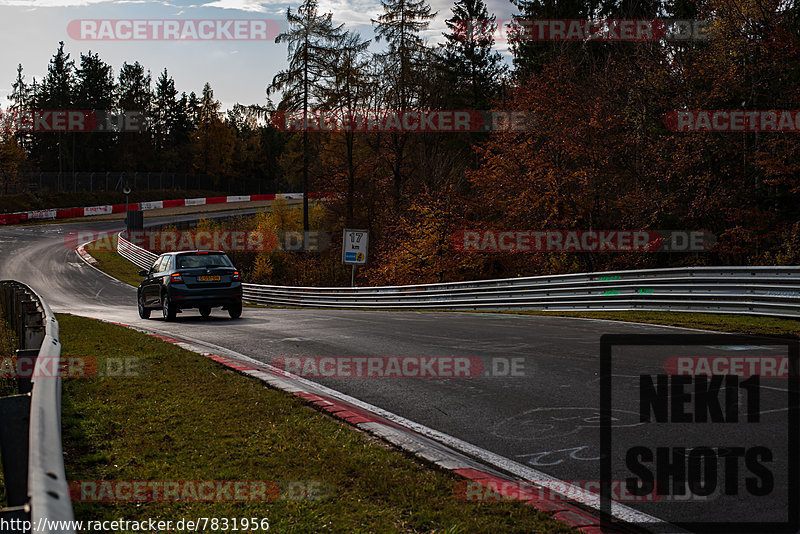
(236, 277)
(177, 278)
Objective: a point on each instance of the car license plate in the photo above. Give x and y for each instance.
(208, 278)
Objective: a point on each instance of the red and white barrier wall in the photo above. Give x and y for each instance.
(69, 213)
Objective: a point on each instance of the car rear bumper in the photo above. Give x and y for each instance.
(193, 298)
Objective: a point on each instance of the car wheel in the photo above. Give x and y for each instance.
(235, 310)
(144, 313)
(205, 311)
(168, 308)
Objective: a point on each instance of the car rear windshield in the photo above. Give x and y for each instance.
(191, 261)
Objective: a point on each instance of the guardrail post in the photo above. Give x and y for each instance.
(29, 356)
(17, 514)
(32, 324)
(14, 422)
(5, 301)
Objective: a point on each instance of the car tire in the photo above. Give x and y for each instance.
(144, 313)
(235, 310)
(205, 311)
(168, 308)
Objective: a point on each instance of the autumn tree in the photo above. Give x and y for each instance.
(472, 68)
(418, 247)
(530, 55)
(56, 92)
(20, 101)
(311, 38)
(165, 110)
(134, 94)
(215, 141)
(404, 64)
(345, 92)
(12, 157)
(95, 88)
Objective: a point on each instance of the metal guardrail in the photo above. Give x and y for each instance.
(772, 291)
(135, 254)
(30, 422)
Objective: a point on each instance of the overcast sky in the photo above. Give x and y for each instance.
(238, 71)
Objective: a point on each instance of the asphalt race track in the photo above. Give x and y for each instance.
(546, 419)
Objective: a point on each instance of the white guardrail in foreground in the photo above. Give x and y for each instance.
(773, 291)
(47, 489)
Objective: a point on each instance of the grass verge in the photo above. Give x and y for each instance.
(112, 263)
(188, 418)
(741, 324)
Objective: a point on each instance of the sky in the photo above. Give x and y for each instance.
(238, 71)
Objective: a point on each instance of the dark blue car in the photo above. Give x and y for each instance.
(201, 279)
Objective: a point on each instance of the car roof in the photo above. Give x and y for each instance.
(175, 253)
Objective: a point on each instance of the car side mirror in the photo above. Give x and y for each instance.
(142, 273)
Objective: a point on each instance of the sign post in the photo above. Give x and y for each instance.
(127, 191)
(354, 249)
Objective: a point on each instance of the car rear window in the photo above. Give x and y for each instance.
(191, 261)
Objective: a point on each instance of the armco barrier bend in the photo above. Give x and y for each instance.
(30, 422)
(772, 291)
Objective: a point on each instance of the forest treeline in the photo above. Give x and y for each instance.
(600, 156)
(182, 133)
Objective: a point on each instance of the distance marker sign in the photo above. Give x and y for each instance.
(354, 246)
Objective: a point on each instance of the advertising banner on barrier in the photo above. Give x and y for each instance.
(88, 211)
(97, 210)
(41, 215)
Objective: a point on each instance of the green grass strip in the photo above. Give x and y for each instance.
(741, 324)
(108, 261)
